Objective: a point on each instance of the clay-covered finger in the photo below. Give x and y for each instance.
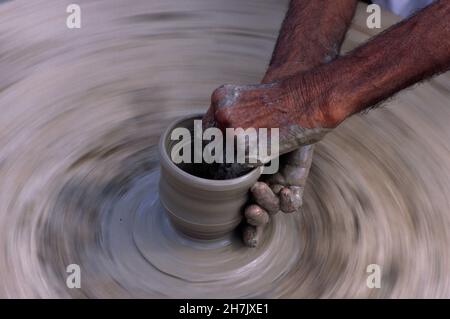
(296, 170)
(297, 196)
(296, 175)
(288, 201)
(265, 197)
(252, 235)
(256, 216)
(301, 157)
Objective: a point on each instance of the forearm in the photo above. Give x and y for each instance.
(311, 34)
(407, 53)
(307, 103)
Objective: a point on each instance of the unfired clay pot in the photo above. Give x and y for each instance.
(198, 207)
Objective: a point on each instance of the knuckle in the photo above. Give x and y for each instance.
(225, 95)
(265, 198)
(258, 187)
(256, 216)
(224, 118)
(217, 95)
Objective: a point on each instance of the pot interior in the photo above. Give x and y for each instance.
(213, 171)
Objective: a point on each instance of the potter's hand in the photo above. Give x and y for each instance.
(327, 94)
(303, 44)
(297, 106)
(281, 192)
(249, 106)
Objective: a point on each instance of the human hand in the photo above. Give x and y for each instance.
(246, 106)
(281, 192)
(296, 104)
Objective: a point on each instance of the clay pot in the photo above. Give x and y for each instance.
(198, 207)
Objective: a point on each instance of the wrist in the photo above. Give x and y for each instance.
(312, 97)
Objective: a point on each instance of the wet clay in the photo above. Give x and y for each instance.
(195, 164)
(82, 113)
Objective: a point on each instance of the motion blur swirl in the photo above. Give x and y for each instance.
(81, 114)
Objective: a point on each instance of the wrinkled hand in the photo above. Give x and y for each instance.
(271, 105)
(296, 106)
(281, 192)
(294, 97)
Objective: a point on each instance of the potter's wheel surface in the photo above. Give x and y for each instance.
(147, 249)
(82, 112)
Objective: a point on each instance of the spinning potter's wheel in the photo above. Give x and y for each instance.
(142, 241)
(82, 112)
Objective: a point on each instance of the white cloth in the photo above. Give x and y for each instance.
(403, 8)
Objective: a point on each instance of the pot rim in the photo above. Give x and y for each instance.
(199, 182)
